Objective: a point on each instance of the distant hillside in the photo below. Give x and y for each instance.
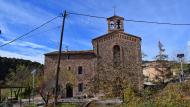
(10, 63)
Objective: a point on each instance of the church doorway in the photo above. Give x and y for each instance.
(69, 90)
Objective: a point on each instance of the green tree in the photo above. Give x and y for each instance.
(20, 77)
(11, 63)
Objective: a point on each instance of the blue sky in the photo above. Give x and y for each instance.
(19, 16)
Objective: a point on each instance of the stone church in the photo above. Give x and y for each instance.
(115, 48)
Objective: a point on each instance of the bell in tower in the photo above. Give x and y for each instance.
(115, 23)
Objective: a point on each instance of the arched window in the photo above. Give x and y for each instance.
(116, 55)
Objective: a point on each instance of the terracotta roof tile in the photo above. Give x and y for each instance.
(115, 32)
(84, 52)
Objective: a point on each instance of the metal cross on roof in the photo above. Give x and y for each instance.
(114, 10)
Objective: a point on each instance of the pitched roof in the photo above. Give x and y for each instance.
(83, 52)
(115, 16)
(115, 32)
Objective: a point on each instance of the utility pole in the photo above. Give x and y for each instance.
(188, 48)
(59, 57)
(33, 80)
(180, 56)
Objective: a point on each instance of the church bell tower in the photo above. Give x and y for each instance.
(115, 23)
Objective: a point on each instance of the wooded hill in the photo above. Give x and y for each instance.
(9, 64)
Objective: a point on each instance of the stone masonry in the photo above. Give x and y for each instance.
(115, 47)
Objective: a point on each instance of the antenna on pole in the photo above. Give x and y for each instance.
(67, 48)
(181, 75)
(188, 45)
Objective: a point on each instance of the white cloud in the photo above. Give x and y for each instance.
(188, 44)
(19, 13)
(4, 29)
(37, 58)
(84, 43)
(28, 45)
(23, 13)
(26, 50)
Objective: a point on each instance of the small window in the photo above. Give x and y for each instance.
(112, 25)
(80, 87)
(118, 24)
(80, 70)
(69, 68)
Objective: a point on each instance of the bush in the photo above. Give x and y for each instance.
(173, 95)
(68, 105)
(31, 105)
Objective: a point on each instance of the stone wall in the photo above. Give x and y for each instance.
(130, 60)
(130, 52)
(87, 62)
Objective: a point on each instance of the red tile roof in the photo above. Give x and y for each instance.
(116, 32)
(83, 52)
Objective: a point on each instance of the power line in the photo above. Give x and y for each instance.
(163, 23)
(53, 28)
(100, 17)
(138, 21)
(19, 37)
(80, 14)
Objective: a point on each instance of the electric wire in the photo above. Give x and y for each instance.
(19, 37)
(163, 23)
(80, 14)
(138, 21)
(47, 30)
(100, 17)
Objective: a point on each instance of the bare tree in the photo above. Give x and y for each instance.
(163, 65)
(144, 55)
(47, 86)
(161, 56)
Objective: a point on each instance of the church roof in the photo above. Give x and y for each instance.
(82, 52)
(115, 32)
(115, 16)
